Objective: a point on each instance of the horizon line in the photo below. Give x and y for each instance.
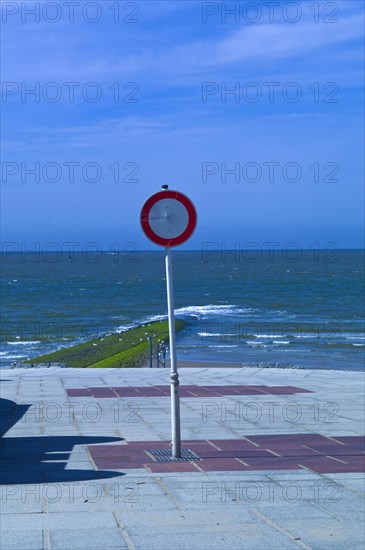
(176, 249)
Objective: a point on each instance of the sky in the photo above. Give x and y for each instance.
(256, 115)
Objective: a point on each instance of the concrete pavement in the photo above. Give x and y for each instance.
(279, 459)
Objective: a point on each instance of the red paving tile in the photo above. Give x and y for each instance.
(127, 392)
(356, 439)
(218, 388)
(340, 450)
(261, 391)
(278, 390)
(322, 464)
(200, 450)
(287, 440)
(150, 392)
(221, 465)
(300, 451)
(293, 455)
(246, 392)
(236, 387)
(116, 463)
(123, 451)
(185, 391)
(274, 463)
(165, 390)
(293, 389)
(222, 390)
(243, 455)
(233, 444)
(198, 392)
(102, 392)
(78, 392)
(151, 444)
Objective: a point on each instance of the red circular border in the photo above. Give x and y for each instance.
(168, 194)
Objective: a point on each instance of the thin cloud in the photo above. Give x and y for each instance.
(284, 41)
(249, 44)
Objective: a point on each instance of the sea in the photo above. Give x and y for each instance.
(275, 308)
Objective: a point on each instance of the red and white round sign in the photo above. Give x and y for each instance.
(168, 218)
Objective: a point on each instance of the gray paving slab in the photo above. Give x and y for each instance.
(254, 538)
(332, 534)
(59, 520)
(22, 540)
(87, 539)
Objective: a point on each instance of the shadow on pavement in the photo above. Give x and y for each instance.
(42, 459)
(10, 413)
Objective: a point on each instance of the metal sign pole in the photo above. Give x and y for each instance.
(150, 342)
(174, 375)
(168, 218)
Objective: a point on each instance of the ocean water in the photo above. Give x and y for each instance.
(297, 310)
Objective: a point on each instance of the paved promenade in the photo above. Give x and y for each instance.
(272, 459)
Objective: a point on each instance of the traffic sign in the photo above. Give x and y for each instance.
(168, 218)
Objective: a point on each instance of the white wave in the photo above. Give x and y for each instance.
(212, 309)
(12, 356)
(215, 334)
(352, 337)
(204, 311)
(156, 318)
(118, 317)
(283, 312)
(358, 345)
(222, 346)
(316, 335)
(272, 337)
(309, 335)
(266, 343)
(24, 343)
(124, 328)
(253, 343)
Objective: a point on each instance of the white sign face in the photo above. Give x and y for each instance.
(168, 218)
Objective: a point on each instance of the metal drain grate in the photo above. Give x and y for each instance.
(164, 455)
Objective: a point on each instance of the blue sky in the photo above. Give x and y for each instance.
(169, 126)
